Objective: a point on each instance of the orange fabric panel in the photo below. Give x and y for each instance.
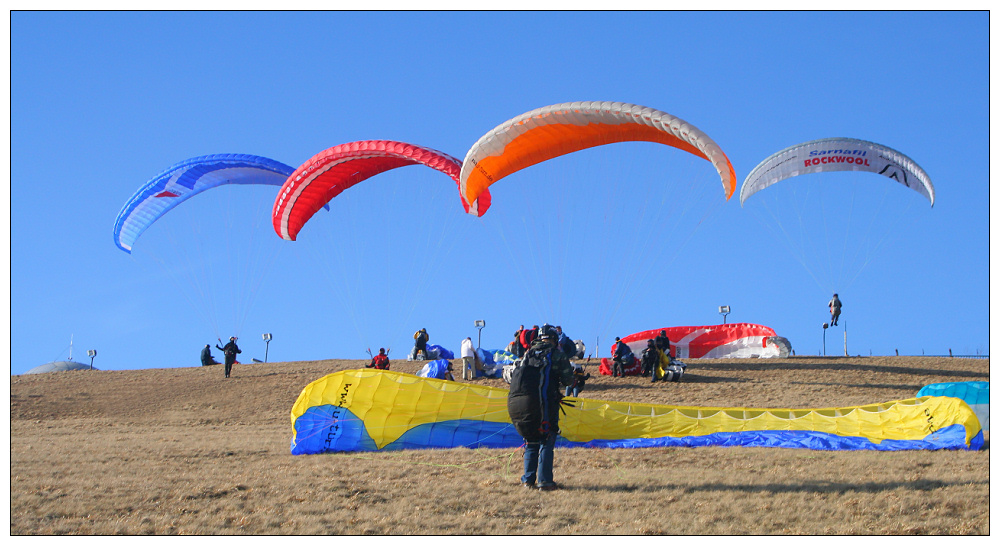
(549, 141)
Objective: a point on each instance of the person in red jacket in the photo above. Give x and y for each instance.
(380, 361)
(527, 336)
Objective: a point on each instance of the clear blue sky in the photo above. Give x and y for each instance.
(102, 102)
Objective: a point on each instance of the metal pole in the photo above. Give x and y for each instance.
(267, 345)
(824, 341)
(845, 339)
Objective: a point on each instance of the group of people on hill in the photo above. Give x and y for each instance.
(230, 351)
(523, 338)
(654, 361)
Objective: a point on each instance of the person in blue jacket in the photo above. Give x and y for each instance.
(206, 356)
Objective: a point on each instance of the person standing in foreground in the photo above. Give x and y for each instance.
(468, 359)
(230, 350)
(534, 402)
(835, 306)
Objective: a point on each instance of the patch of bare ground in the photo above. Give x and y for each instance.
(185, 451)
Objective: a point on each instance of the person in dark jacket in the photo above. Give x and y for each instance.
(206, 356)
(534, 402)
(622, 356)
(420, 344)
(650, 359)
(662, 342)
(230, 351)
(518, 349)
(579, 378)
(567, 345)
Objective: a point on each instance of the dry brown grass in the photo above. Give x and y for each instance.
(184, 451)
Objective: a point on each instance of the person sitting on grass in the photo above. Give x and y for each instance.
(379, 361)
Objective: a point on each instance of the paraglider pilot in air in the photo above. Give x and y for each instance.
(230, 350)
(534, 404)
(834, 310)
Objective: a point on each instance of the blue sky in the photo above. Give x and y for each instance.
(102, 102)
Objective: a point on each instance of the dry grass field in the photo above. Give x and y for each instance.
(185, 451)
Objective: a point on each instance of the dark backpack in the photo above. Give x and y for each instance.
(527, 378)
(530, 398)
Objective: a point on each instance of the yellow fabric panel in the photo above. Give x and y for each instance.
(390, 403)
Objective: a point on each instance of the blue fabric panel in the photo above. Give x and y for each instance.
(434, 369)
(458, 433)
(186, 179)
(952, 437)
(442, 352)
(973, 392)
(329, 428)
(319, 430)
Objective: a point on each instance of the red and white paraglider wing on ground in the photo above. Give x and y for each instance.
(740, 340)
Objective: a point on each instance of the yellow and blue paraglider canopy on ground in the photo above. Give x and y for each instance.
(974, 393)
(373, 410)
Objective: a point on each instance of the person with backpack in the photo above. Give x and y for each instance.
(379, 361)
(230, 350)
(420, 344)
(622, 356)
(650, 359)
(534, 404)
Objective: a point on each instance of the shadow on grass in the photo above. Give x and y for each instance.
(838, 365)
(777, 488)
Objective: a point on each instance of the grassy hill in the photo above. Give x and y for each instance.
(186, 451)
